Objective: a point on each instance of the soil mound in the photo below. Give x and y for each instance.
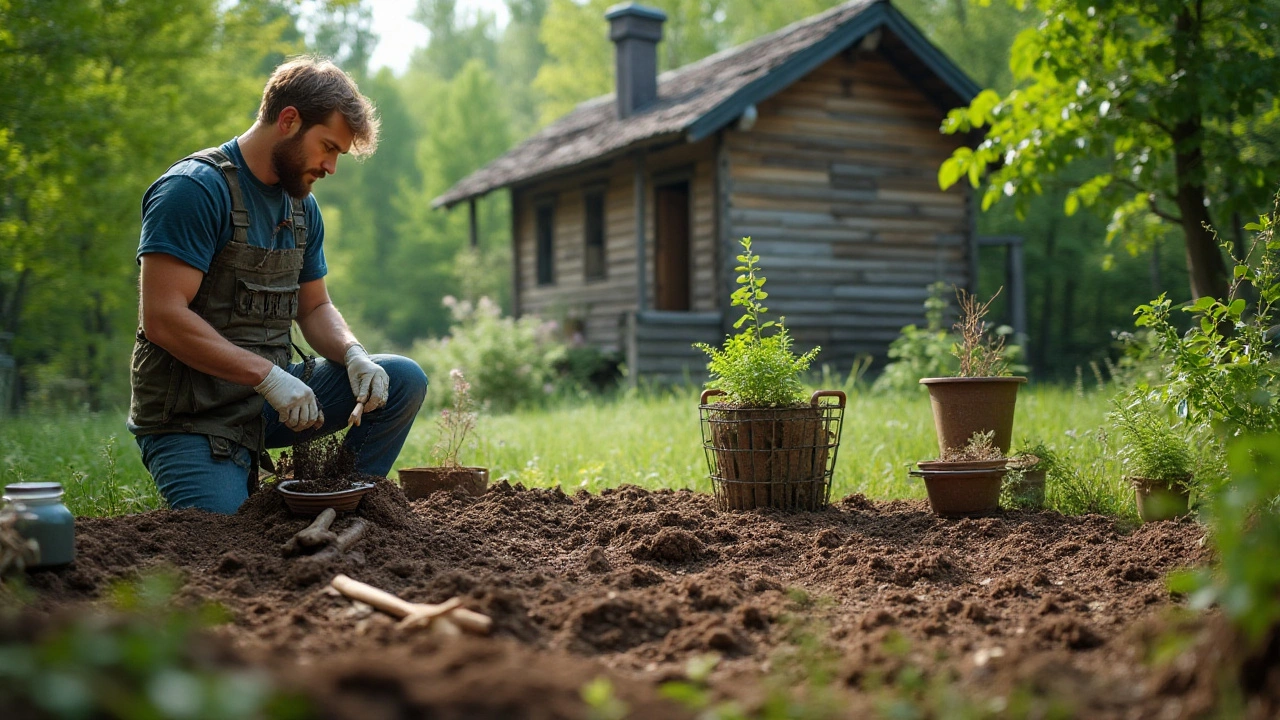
(632, 584)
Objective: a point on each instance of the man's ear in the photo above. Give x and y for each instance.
(289, 121)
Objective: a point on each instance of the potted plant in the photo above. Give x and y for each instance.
(983, 396)
(1157, 458)
(766, 445)
(454, 424)
(1029, 469)
(965, 481)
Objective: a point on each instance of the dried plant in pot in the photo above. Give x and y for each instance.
(982, 398)
(965, 481)
(1157, 457)
(766, 444)
(454, 425)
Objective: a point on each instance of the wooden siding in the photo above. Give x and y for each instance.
(837, 186)
(599, 307)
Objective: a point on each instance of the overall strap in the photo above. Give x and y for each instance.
(298, 219)
(239, 214)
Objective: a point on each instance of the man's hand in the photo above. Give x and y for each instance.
(369, 382)
(291, 397)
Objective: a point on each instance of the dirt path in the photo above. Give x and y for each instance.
(632, 584)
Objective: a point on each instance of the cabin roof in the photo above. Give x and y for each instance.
(699, 99)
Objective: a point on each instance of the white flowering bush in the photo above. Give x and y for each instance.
(509, 363)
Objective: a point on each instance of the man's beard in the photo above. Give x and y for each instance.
(288, 160)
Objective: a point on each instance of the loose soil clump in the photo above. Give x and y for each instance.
(632, 584)
(322, 465)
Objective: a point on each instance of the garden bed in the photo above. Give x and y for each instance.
(631, 584)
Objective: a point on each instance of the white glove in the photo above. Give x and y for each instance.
(291, 397)
(369, 382)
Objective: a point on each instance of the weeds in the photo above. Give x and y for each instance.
(455, 423)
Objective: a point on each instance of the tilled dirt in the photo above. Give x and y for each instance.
(632, 584)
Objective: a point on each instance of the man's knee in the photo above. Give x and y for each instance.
(407, 378)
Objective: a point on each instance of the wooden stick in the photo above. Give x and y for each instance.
(314, 535)
(343, 541)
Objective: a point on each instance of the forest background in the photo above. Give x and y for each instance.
(101, 96)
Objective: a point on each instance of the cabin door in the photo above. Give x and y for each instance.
(671, 247)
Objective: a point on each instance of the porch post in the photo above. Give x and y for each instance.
(1017, 291)
(641, 276)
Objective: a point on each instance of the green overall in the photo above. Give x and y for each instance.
(250, 296)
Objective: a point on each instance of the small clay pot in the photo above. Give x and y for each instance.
(312, 504)
(422, 481)
(1030, 489)
(962, 493)
(1161, 499)
(1000, 464)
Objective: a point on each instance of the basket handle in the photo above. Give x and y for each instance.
(709, 393)
(817, 396)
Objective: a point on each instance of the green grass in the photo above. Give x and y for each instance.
(648, 438)
(652, 440)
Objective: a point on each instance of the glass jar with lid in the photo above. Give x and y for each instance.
(44, 519)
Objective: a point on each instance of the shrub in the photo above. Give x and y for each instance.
(141, 660)
(510, 363)
(921, 352)
(754, 369)
(1222, 370)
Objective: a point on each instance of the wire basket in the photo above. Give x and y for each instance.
(772, 457)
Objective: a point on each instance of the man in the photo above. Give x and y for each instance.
(232, 254)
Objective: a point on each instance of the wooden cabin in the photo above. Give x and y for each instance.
(820, 141)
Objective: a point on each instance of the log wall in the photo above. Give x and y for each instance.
(599, 307)
(837, 186)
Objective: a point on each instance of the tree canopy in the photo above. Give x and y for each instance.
(1171, 104)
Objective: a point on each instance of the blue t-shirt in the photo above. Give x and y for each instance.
(187, 214)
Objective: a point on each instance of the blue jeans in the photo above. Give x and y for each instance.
(209, 473)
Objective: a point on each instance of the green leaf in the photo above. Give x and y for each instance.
(950, 172)
(739, 322)
(1203, 304)
(742, 280)
(1072, 204)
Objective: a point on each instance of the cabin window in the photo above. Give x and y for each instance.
(593, 255)
(546, 227)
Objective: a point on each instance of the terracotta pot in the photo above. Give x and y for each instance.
(772, 457)
(1161, 499)
(962, 493)
(1000, 464)
(964, 406)
(422, 481)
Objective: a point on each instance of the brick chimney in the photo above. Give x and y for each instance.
(635, 31)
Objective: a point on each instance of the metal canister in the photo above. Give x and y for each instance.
(46, 520)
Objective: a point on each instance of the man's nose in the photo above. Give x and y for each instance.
(329, 166)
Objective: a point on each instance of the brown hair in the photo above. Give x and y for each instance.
(318, 88)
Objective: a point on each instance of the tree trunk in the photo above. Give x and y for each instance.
(1205, 266)
(1207, 270)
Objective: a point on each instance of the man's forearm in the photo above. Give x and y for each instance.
(327, 332)
(194, 342)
